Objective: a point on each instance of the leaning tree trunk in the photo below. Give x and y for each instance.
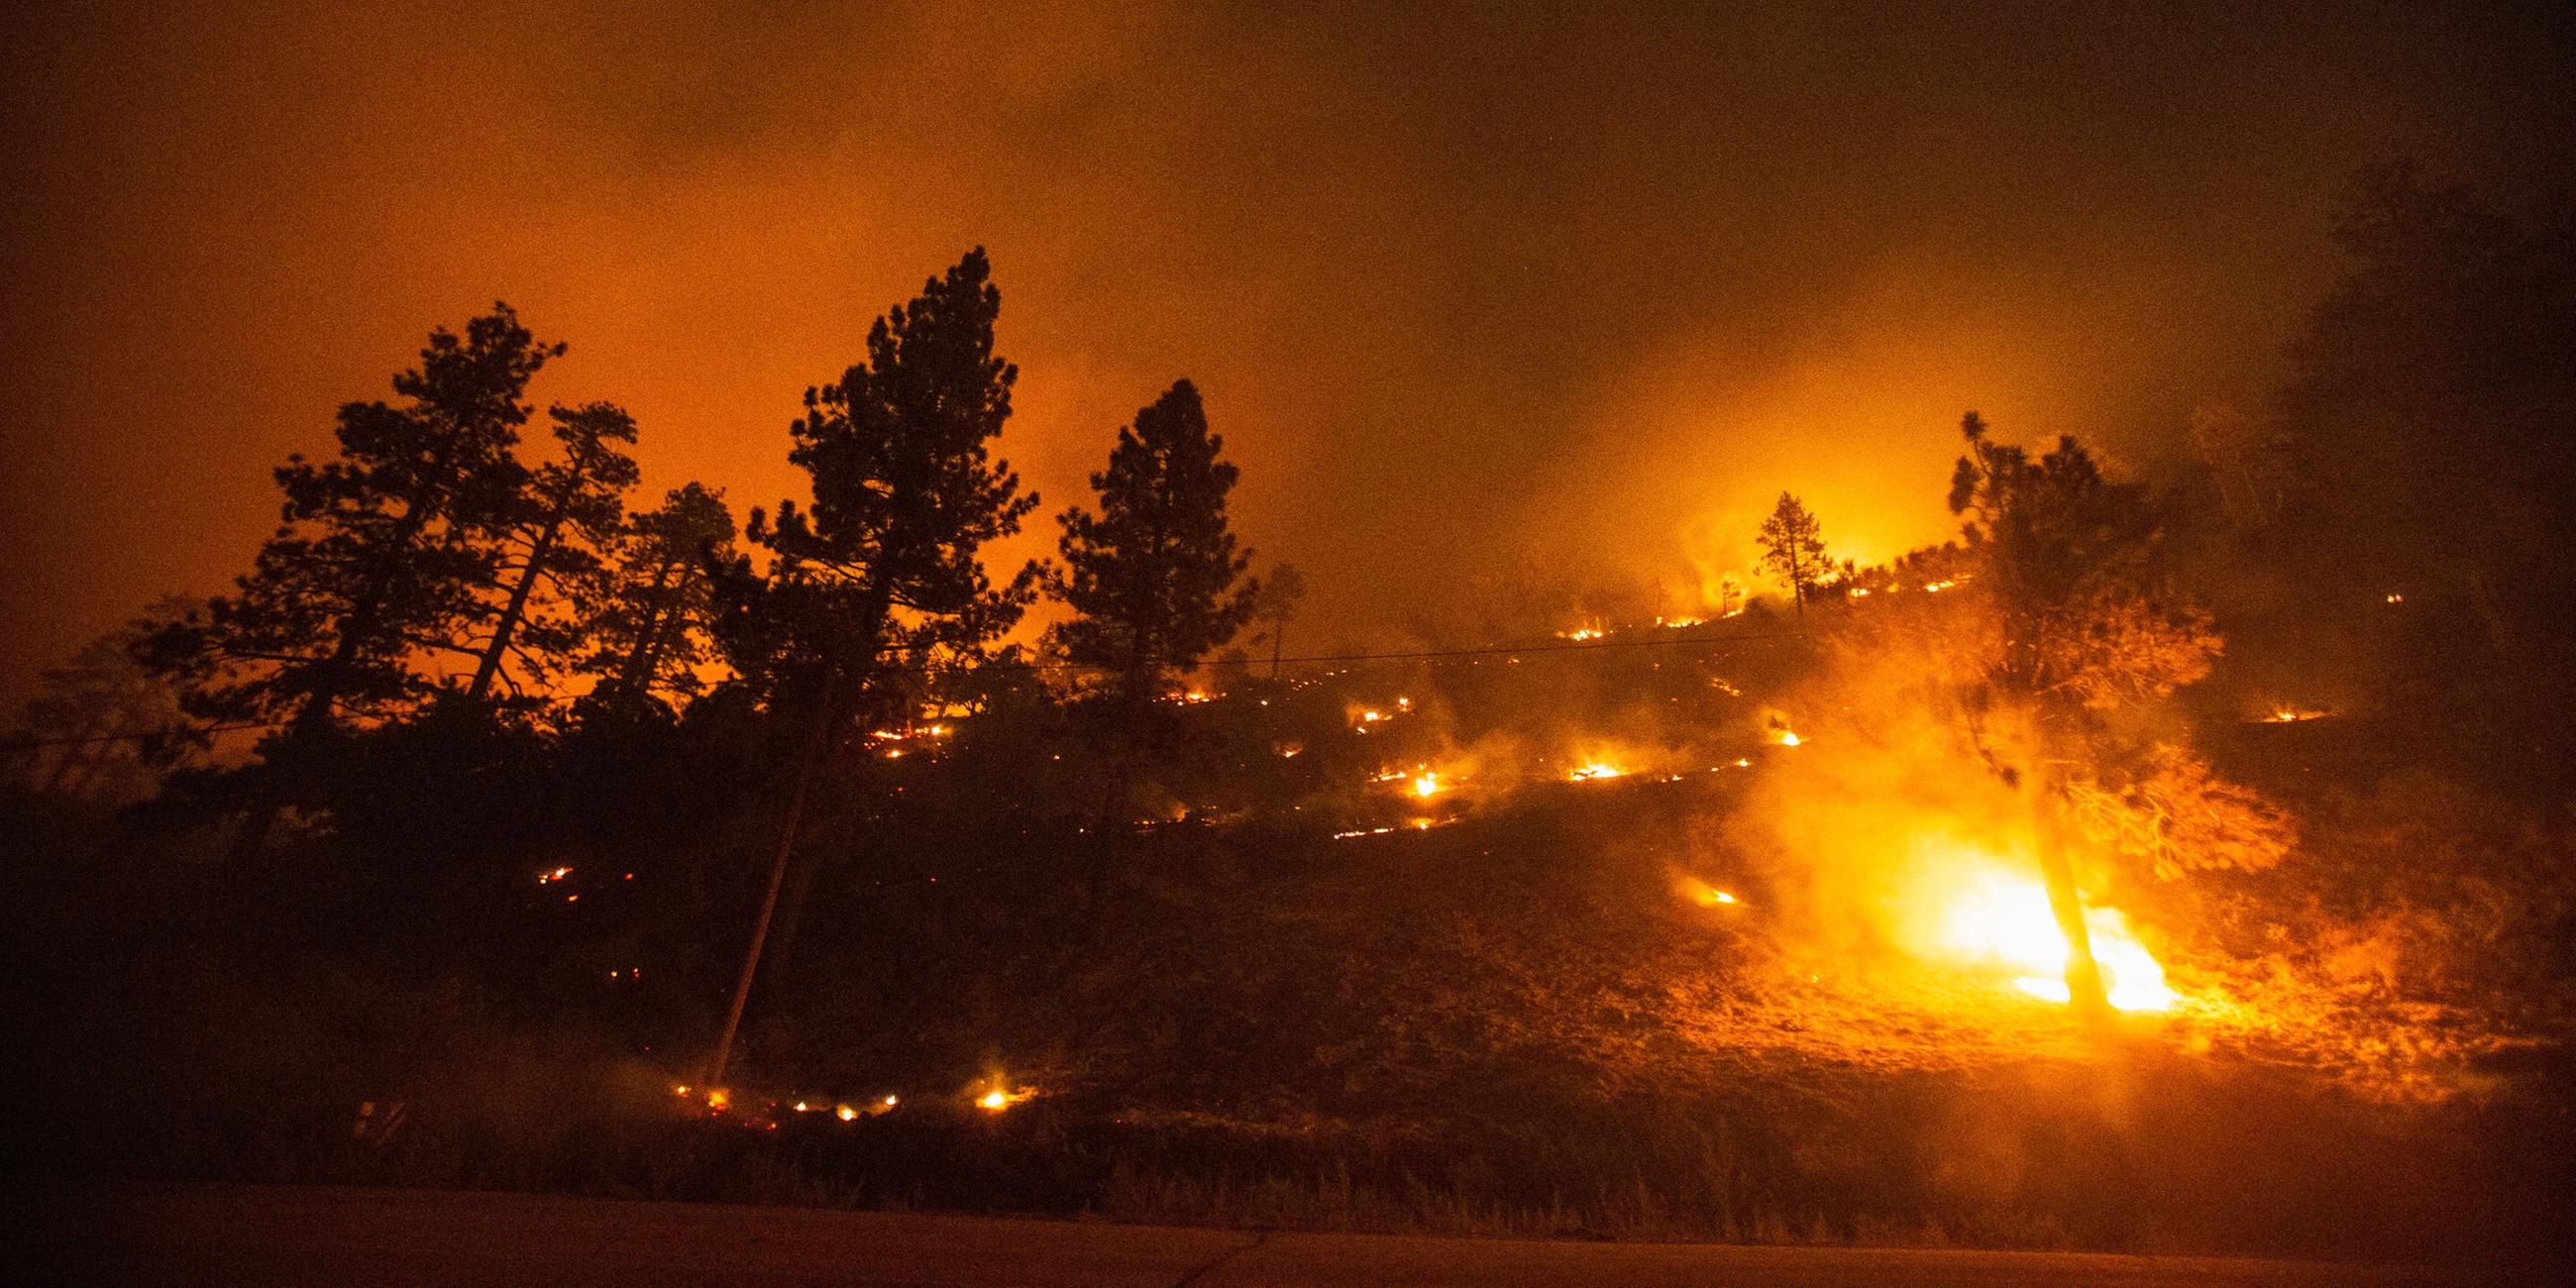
(489, 668)
(802, 784)
(2084, 989)
(839, 700)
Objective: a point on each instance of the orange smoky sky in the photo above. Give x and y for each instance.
(1466, 287)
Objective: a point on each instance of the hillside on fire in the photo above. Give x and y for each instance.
(2176, 856)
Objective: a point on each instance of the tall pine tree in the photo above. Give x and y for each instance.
(1793, 549)
(1153, 577)
(379, 555)
(886, 561)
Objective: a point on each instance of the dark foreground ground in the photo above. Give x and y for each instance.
(251, 1235)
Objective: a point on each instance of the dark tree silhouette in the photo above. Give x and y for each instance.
(379, 555)
(102, 726)
(1283, 592)
(647, 630)
(1793, 550)
(1153, 575)
(568, 515)
(2429, 416)
(886, 559)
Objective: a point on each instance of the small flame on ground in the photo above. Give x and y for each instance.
(1596, 769)
(1001, 1097)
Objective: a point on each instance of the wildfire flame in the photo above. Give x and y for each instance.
(1001, 1097)
(1596, 769)
(1999, 919)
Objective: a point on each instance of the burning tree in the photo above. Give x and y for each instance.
(2085, 622)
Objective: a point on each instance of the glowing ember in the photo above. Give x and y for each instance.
(2001, 919)
(842, 1112)
(2293, 715)
(1586, 633)
(718, 1098)
(2396, 598)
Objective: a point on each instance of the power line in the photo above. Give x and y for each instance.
(1493, 650)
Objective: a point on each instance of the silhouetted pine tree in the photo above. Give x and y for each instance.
(1153, 575)
(379, 555)
(885, 562)
(1793, 550)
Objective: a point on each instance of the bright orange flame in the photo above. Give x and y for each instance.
(844, 1113)
(1427, 783)
(1596, 769)
(1998, 918)
(1001, 1097)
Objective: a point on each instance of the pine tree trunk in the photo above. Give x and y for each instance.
(2084, 988)
(779, 855)
(658, 632)
(832, 712)
(489, 668)
(634, 677)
